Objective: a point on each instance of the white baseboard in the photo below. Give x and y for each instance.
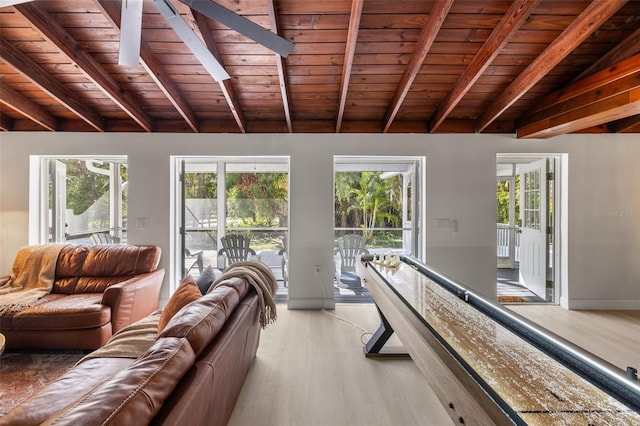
(311, 304)
(604, 304)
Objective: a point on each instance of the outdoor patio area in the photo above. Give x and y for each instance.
(506, 280)
(273, 259)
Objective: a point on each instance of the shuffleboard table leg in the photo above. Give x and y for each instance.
(375, 347)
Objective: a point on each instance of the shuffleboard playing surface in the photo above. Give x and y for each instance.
(536, 388)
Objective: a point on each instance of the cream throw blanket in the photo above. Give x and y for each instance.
(261, 278)
(131, 341)
(32, 276)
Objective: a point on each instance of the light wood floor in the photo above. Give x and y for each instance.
(611, 335)
(310, 369)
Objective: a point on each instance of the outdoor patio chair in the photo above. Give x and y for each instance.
(191, 259)
(284, 252)
(349, 247)
(104, 238)
(235, 248)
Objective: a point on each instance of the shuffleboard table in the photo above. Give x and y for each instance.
(488, 365)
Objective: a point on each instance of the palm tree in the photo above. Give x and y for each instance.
(377, 199)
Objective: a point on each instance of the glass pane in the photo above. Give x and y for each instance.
(200, 216)
(369, 203)
(82, 202)
(257, 206)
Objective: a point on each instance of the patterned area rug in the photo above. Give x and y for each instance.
(511, 299)
(24, 374)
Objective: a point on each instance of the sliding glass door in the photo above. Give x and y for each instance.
(232, 195)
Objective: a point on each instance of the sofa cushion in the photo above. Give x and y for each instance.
(207, 278)
(134, 395)
(72, 312)
(70, 261)
(186, 293)
(63, 391)
(202, 319)
(108, 261)
(101, 266)
(131, 341)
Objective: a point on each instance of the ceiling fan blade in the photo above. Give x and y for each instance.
(241, 24)
(130, 33)
(192, 41)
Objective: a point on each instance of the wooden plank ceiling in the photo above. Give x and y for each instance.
(536, 68)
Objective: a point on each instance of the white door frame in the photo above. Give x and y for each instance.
(560, 221)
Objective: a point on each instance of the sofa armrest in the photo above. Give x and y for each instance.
(133, 299)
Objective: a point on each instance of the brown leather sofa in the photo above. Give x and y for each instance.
(97, 290)
(191, 374)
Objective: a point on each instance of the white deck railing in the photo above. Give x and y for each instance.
(507, 236)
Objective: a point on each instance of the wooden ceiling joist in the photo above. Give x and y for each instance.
(50, 85)
(582, 27)
(282, 68)
(609, 95)
(517, 14)
(27, 107)
(6, 123)
(350, 50)
(202, 29)
(54, 32)
(615, 72)
(613, 108)
(625, 124)
(628, 47)
(437, 15)
(155, 69)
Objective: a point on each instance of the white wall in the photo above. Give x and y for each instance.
(603, 211)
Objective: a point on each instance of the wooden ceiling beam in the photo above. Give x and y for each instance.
(50, 85)
(584, 25)
(623, 105)
(625, 124)
(584, 104)
(282, 69)
(437, 15)
(27, 107)
(112, 11)
(202, 29)
(615, 72)
(350, 50)
(626, 48)
(517, 14)
(6, 123)
(604, 91)
(53, 31)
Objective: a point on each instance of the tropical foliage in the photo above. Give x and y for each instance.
(365, 200)
(502, 200)
(87, 193)
(259, 199)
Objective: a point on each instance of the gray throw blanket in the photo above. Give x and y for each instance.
(261, 278)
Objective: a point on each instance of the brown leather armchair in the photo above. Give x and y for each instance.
(97, 290)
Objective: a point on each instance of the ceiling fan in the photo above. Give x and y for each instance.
(132, 23)
(131, 30)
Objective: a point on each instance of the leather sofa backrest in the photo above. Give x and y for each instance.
(200, 321)
(134, 395)
(91, 269)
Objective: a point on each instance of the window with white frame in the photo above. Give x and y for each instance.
(83, 200)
